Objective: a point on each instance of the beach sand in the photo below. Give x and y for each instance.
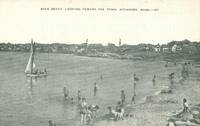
(159, 107)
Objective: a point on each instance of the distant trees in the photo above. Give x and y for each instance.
(184, 46)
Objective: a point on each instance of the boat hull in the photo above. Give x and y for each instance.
(36, 75)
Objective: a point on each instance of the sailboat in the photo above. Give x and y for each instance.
(30, 70)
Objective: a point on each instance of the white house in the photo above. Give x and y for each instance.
(174, 47)
(165, 48)
(157, 48)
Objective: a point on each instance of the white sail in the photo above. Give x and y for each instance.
(34, 65)
(30, 65)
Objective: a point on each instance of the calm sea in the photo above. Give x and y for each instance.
(26, 104)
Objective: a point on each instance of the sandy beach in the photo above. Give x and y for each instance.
(159, 107)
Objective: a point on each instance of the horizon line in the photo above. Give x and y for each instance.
(96, 42)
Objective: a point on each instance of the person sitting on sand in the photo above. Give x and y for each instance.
(118, 107)
(92, 113)
(118, 114)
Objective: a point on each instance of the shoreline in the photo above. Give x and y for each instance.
(158, 108)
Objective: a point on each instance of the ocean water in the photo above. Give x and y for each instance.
(26, 104)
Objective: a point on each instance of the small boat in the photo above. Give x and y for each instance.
(30, 70)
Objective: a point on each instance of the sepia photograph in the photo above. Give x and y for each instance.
(100, 63)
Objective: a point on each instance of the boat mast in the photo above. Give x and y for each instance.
(32, 53)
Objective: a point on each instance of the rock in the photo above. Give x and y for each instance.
(170, 124)
(168, 101)
(166, 90)
(197, 121)
(187, 116)
(195, 112)
(131, 115)
(149, 98)
(188, 123)
(173, 119)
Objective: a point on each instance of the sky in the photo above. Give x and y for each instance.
(21, 21)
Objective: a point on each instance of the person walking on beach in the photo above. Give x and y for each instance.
(95, 89)
(92, 113)
(154, 80)
(185, 108)
(123, 97)
(185, 105)
(83, 111)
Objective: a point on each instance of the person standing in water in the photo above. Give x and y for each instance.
(154, 80)
(136, 79)
(123, 97)
(66, 93)
(171, 79)
(83, 111)
(174, 63)
(79, 96)
(133, 99)
(95, 89)
(166, 65)
(101, 77)
(51, 123)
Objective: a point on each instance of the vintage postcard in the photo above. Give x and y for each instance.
(100, 63)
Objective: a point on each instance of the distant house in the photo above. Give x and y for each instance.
(157, 48)
(147, 47)
(165, 48)
(176, 48)
(189, 48)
